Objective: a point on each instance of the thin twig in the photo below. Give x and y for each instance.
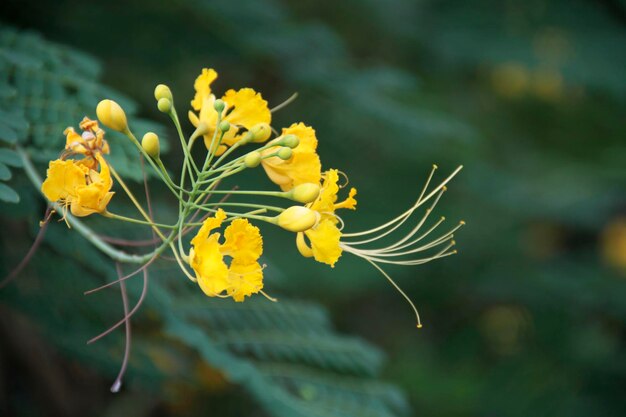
(117, 384)
(129, 315)
(31, 252)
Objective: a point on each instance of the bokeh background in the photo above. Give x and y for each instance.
(527, 320)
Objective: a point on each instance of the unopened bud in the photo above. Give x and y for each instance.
(284, 153)
(252, 160)
(163, 91)
(297, 219)
(224, 126)
(164, 105)
(260, 132)
(219, 105)
(111, 115)
(304, 193)
(290, 140)
(150, 144)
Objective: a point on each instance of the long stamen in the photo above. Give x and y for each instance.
(406, 297)
(408, 212)
(415, 229)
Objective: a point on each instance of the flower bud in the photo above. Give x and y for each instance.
(219, 105)
(111, 115)
(260, 132)
(304, 193)
(290, 140)
(162, 91)
(297, 219)
(252, 160)
(284, 153)
(224, 126)
(150, 144)
(164, 105)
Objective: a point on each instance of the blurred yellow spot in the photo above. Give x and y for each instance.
(614, 243)
(503, 327)
(510, 80)
(547, 84)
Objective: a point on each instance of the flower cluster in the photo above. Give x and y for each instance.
(237, 135)
(77, 183)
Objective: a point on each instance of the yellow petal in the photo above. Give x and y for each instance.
(304, 166)
(245, 108)
(243, 241)
(244, 279)
(348, 203)
(202, 85)
(63, 177)
(208, 263)
(324, 240)
(209, 224)
(94, 196)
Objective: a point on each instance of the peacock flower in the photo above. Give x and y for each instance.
(324, 238)
(88, 144)
(242, 243)
(75, 185)
(304, 166)
(244, 109)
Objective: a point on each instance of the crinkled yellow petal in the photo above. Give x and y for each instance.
(94, 196)
(349, 202)
(244, 109)
(325, 203)
(63, 177)
(209, 224)
(202, 85)
(303, 166)
(208, 263)
(90, 199)
(324, 240)
(74, 141)
(244, 279)
(243, 241)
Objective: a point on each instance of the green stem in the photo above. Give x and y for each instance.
(131, 220)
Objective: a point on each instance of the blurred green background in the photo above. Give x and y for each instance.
(527, 320)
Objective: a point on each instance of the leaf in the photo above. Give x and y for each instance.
(10, 157)
(5, 172)
(8, 194)
(7, 134)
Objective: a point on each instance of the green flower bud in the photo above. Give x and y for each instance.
(150, 144)
(164, 105)
(219, 105)
(111, 115)
(304, 193)
(297, 219)
(252, 160)
(290, 140)
(284, 153)
(224, 126)
(162, 91)
(260, 132)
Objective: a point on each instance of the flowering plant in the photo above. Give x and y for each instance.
(80, 182)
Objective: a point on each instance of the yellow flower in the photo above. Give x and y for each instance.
(88, 144)
(244, 109)
(304, 166)
(73, 184)
(243, 244)
(325, 237)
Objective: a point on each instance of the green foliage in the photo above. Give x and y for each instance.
(45, 88)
